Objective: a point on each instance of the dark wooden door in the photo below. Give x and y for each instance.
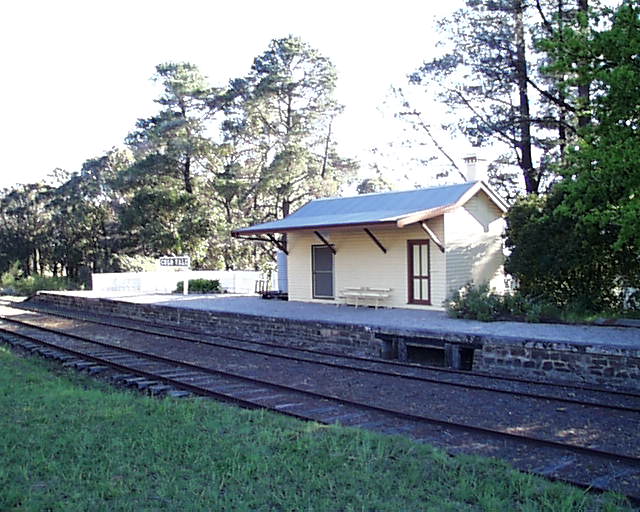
(419, 266)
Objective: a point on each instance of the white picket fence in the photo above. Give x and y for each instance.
(232, 281)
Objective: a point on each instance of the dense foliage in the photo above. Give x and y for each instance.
(211, 159)
(581, 243)
(555, 83)
(13, 282)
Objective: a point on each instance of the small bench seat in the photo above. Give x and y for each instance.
(365, 294)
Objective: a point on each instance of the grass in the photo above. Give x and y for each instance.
(69, 443)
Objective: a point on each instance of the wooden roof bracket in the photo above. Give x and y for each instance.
(324, 241)
(280, 244)
(375, 239)
(433, 236)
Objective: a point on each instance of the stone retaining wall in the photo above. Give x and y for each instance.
(604, 365)
(340, 338)
(593, 364)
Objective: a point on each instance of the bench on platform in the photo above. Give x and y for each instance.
(365, 295)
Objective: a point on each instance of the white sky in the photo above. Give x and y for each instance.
(75, 74)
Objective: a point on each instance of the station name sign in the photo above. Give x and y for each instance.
(175, 261)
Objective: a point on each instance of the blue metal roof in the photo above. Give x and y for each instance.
(364, 209)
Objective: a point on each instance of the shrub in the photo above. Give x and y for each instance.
(200, 286)
(481, 303)
(476, 303)
(564, 260)
(32, 284)
(9, 278)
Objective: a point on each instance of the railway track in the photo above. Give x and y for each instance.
(563, 461)
(561, 392)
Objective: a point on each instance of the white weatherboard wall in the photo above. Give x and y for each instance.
(360, 262)
(471, 234)
(474, 244)
(234, 281)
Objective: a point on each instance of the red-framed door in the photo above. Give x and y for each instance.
(419, 271)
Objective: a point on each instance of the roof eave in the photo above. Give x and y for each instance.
(424, 215)
(497, 200)
(435, 212)
(240, 233)
(400, 222)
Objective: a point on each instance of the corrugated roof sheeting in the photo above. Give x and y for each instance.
(363, 209)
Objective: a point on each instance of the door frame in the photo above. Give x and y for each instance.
(410, 245)
(313, 273)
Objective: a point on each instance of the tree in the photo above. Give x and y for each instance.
(601, 178)
(23, 225)
(583, 241)
(164, 211)
(490, 80)
(82, 234)
(557, 259)
(278, 150)
(280, 116)
(179, 191)
(174, 140)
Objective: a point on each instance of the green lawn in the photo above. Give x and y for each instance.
(69, 443)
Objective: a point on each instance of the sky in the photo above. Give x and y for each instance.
(76, 74)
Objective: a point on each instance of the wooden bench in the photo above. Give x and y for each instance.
(364, 295)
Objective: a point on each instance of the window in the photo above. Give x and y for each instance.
(419, 266)
(322, 271)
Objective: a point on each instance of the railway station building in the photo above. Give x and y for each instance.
(408, 249)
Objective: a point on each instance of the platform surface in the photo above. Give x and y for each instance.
(410, 320)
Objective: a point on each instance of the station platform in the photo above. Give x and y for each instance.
(606, 355)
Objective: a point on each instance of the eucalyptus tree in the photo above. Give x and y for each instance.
(232, 189)
(84, 211)
(490, 78)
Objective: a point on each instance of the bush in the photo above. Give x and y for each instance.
(200, 286)
(9, 278)
(561, 259)
(476, 303)
(32, 284)
(481, 303)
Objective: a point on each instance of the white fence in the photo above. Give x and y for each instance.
(233, 281)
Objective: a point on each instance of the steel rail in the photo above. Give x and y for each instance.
(552, 384)
(252, 405)
(136, 371)
(418, 378)
(361, 405)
